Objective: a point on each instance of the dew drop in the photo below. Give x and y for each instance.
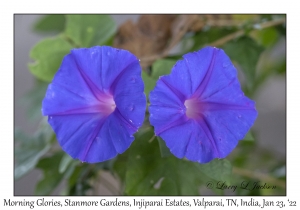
(108, 53)
(133, 80)
(50, 117)
(138, 157)
(239, 116)
(131, 107)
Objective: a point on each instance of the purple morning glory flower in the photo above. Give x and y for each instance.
(96, 102)
(199, 110)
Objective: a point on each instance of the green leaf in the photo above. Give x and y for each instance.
(50, 23)
(149, 83)
(120, 166)
(205, 37)
(164, 150)
(249, 136)
(51, 176)
(47, 56)
(217, 169)
(90, 30)
(32, 100)
(162, 67)
(246, 52)
(64, 163)
(29, 150)
(149, 174)
(266, 37)
(106, 165)
(79, 180)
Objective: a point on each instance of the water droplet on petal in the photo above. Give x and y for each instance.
(131, 107)
(133, 80)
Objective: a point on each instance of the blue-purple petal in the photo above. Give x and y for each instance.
(96, 102)
(199, 110)
(218, 75)
(128, 91)
(76, 133)
(115, 136)
(103, 64)
(166, 94)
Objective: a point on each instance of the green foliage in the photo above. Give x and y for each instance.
(90, 30)
(51, 176)
(64, 163)
(79, 31)
(29, 150)
(149, 83)
(246, 52)
(47, 56)
(55, 168)
(162, 67)
(159, 68)
(33, 100)
(266, 37)
(249, 136)
(164, 150)
(150, 172)
(219, 170)
(146, 172)
(50, 23)
(205, 37)
(79, 181)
